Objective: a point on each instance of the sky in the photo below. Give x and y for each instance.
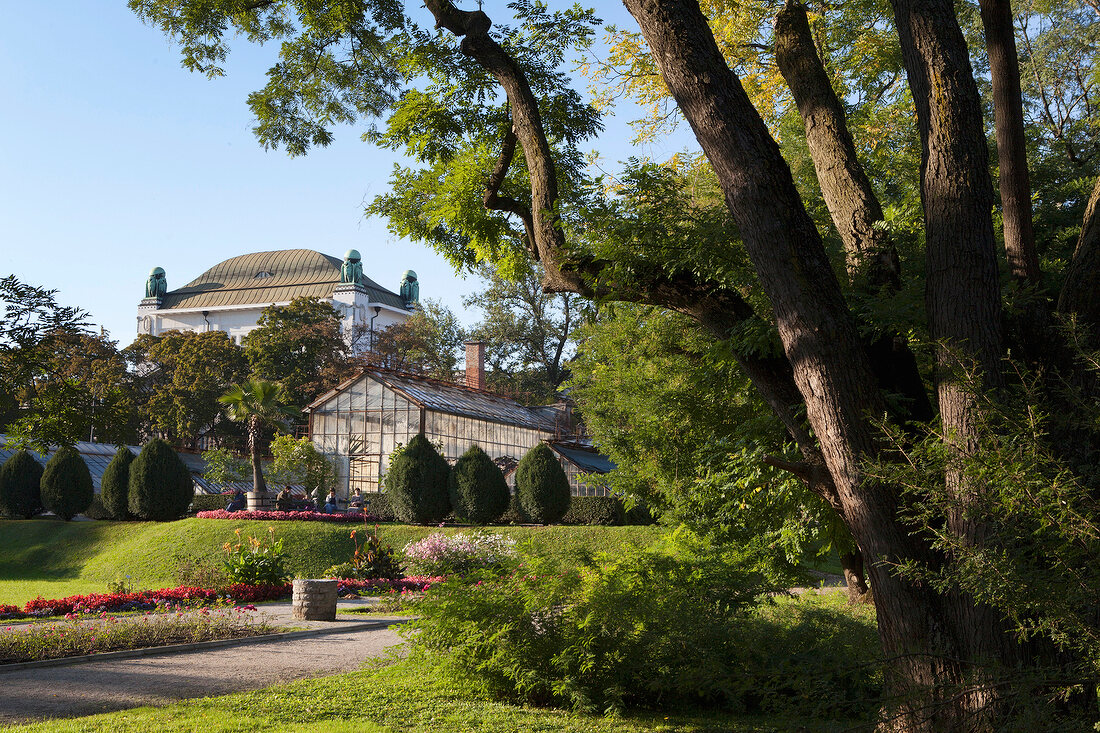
(116, 160)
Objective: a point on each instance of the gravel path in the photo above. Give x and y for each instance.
(95, 687)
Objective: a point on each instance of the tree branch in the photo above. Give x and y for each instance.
(495, 202)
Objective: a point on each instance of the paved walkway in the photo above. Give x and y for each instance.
(93, 687)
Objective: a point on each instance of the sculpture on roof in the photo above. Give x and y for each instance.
(352, 269)
(410, 288)
(156, 286)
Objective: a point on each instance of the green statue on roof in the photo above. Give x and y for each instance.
(410, 288)
(352, 269)
(156, 286)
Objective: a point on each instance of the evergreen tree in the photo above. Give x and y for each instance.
(160, 484)
(66, 484)
(416, 484)
(20, 486)
(114, 487)
(542, 486)
(478, 491)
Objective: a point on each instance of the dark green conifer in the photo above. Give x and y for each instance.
(114, 487)
(160, 484)
(416, 483)
(66, 484)
(542, 486)
(20, 486)
(479, 493)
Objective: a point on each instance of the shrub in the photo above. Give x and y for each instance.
(654, 628)
(114, 487)
(66, 484)
(605, 510)
(343, 571)
(374, 558)
(256, 563)
(478, 491)
(160, 484)
(542, 486)
(416, 484)
(21, 486)
(209, 502)
(96, 510)
(441, 554)
(378, 505)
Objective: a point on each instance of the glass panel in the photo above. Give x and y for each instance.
(374, 395)
(343, 401)
(358, 395)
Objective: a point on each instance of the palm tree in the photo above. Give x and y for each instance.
(257, 404)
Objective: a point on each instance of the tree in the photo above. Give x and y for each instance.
(183, 373)
(938, 639)
(161, 488)
(114, 487)
(478, 490)
(299, 346)
(66, 484)
(43, 405)
(259, 406)
(416, 483)
(20, 485)
(428, 342)
(529, 333)
(297, 461)
(542, 487)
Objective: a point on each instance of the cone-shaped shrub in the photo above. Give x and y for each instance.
(160, 484)
(66, 484)
(21, 486)
(542, 486)
(479, 493)
(416, 484)
(114, 487)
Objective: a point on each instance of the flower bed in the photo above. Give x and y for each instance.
(349, 587)
(276, 516)
(144, 600)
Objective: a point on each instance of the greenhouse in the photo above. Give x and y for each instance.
(361, 423)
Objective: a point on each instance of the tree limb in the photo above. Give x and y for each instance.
(495, 202)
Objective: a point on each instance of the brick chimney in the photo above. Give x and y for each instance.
(475, 364)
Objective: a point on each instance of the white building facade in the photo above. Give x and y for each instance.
(231, 295)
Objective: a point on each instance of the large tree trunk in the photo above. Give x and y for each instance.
(855, 580)
(1080, 294)
(1008, 116)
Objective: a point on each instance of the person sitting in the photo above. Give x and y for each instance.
(330, 503)
(355, 501)
(237, 503)
(284, 501)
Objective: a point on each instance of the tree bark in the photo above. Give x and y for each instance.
(851, 201)
(1080, 294)
(854, 578)
(1008, 115)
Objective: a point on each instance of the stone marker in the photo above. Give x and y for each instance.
(314, 600)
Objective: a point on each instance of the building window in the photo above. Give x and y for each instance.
(263, 275)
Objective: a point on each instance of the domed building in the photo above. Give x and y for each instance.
(231, 295)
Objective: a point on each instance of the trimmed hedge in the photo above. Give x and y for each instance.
(379, 506)
(114, 487)
(96, 510)
(478, 491)
(594, 510)
(21, 486)
(542, 486)
(160, 484)
(416, 483)
(209, 502)
(67, 488)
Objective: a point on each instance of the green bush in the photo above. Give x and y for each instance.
(209, 502)
(160, 484)
(661, 627)
(96, 510)
(343, 570)
(114, 487)
(416, 484)
(542, 486)
(478, 491)
(21, 486)
(374, 558)
(67, 488)
(604, 510)
(515, 513)
(378, 505)
(254, 563)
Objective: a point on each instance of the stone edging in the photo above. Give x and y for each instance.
(193, 646)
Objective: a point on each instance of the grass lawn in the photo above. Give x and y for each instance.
(398, 698)
(54, 559)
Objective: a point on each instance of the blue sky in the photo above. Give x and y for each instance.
(115, 160)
